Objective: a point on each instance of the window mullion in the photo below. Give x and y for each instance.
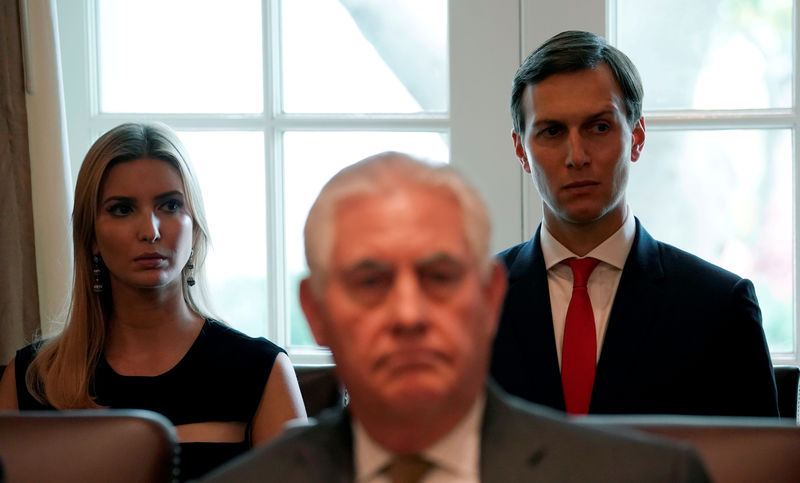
(277, 319)
(796, 177)
(699, 120)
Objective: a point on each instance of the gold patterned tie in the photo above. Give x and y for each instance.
(408, 469)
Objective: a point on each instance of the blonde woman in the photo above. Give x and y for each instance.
(138, 334)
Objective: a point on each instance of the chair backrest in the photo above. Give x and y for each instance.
(320, 388)
(733, 449)
(87, 446)
(787, 379)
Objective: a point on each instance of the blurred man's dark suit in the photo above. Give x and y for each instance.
(520, 442)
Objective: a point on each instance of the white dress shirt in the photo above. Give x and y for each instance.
(455, 457)
(603, 282)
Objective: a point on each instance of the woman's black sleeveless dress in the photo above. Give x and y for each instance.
(221, 378)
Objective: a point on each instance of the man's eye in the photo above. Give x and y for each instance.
(550, 131)
(439, 276)
(370, 282)
(368, 289)
(602, 127)
(440, 283)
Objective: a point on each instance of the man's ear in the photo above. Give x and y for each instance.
(495, 292)
(637, 142)
(312, 310)
(519, 150)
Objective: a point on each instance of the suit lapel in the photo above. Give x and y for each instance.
(528, 326)
(637, 302)
(335, 446)
(509, 450)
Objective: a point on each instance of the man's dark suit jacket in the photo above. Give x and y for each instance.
(519, 442)
(683, 337)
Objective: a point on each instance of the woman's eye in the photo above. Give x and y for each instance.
(120, 209)
(173, 205)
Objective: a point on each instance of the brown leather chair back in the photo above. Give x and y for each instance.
(320, 388)
(106, 446)
(733, 449)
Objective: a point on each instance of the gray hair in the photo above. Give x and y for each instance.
(386, 172)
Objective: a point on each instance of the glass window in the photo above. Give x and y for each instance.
(725, 196)
(711, 54)
(179, 56)
(716, 175)
(362, 57)
(230, 169)
(264, 96)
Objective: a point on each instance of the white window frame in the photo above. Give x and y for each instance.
(487, 41)
(484, 54)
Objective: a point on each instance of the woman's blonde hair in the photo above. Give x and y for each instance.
(61, 373)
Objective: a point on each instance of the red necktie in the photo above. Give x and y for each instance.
(579, 349)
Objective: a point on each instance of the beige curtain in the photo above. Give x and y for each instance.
(35, 185)
(51, 183)
(19, 300)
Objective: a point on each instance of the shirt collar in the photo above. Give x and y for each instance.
(369, 457)
(457, 452)
(613, 250)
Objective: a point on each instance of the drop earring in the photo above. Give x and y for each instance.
(190, 267)
(98, 282)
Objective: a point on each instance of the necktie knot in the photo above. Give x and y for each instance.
(408, 468)
(582, 268)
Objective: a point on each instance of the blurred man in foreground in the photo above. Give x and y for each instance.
(402, 290)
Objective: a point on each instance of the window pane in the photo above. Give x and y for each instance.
(170, 56)
(311, 159)
(710, 54)
(364, 56)
(725, 196)
(230, 167)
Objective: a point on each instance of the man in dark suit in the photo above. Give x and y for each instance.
(402, 290)
(662, 331)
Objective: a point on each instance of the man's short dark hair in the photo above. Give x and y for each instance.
(573, 51)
